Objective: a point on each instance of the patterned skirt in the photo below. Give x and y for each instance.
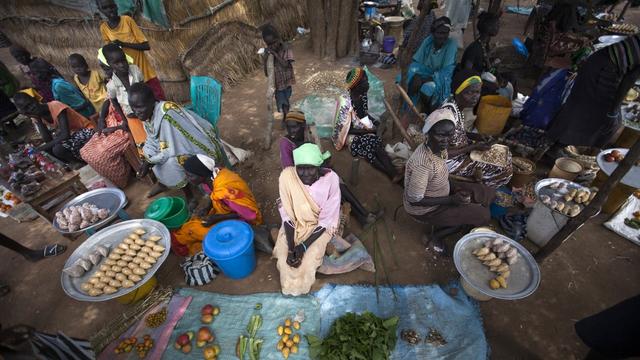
(77, 140)
(365, 146)
(106, 155)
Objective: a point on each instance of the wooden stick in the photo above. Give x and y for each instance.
(396, 121)
(594, 207)
(211, 11)
(406, 55)
(407, 99)
(270, 93)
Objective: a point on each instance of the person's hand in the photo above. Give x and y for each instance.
(202, 212)
(109, 130)
(461, 198)
(481, 146)
(293, 260)
(117, 42)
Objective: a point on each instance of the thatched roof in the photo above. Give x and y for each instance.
(54, 32)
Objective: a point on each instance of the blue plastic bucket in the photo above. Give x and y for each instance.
(370, 8)
(230, 245)
(388, 44)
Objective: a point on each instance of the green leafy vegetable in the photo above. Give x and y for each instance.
(353, 336)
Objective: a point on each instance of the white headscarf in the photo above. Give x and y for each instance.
(209, 163)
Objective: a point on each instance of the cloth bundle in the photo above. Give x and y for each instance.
(199, 270)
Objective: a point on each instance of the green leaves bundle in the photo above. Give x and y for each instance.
(354, 336)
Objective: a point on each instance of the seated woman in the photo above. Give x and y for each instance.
(355, 128)
(309, 205)
(105, 151)
(466, 93)
(296, 125)
(24, 59)
(429, 196)
(231, 198)
(429, 75)
(72, 130)
(61, 89)
(173, 134)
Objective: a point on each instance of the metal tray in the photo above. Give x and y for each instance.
(112, 236)
(631, 178)
(525, 274)
(108, 198)
(542, 188)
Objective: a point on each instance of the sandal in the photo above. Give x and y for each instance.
(53, 250)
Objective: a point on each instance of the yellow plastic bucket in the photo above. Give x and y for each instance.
(493, 113)
(139, 293)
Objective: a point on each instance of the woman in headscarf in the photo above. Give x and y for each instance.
(466, 88)
(591, 114)
(429, 75)
(429, 196)
(355, 128)
(72, 130)
(309, 206)
(173, 134)
(61, 89)
(296, 127)
(231, 198)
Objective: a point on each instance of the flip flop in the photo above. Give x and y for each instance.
(53, 250)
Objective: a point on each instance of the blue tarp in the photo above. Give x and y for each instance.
(457, 318)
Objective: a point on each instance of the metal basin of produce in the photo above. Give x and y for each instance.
(111, 236)
(111, 199)
(525, 274)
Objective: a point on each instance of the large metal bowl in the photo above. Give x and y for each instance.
(112, 236)
(525, 274)
(107, 198)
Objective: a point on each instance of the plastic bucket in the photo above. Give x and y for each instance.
(543, 223)
(522, 178)
(171, 211)
(565, 168)
(139, 293)
(388, 44)
(370, 8)
(493, 113)
(230, 245)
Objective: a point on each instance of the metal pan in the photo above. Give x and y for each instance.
(525, 274)
(108, 198)
(112, 236)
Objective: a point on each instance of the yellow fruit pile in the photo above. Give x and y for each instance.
(289, 340)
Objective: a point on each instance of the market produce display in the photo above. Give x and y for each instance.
(566, 197)
(250, 344)
(521, 165)
(156, 319)
(497, 255)
(614, 156)
(497, 155)
(123, 267)
(633, 222)
(354, 336)
(289, 339)
(75, 218)
(209, 312)
(142, 348)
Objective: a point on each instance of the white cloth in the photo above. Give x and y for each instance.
(117, 90)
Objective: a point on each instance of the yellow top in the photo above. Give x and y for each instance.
(128, 31)
(94, 90)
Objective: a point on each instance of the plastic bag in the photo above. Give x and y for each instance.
(617, 225)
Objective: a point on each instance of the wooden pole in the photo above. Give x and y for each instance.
(407, 99)
(398, 123)
(624, 10)
(594, 207)
(270, 94)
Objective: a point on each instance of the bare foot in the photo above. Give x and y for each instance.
(156, 189)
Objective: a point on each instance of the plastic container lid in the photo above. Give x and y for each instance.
(159, 208)
(228, 239)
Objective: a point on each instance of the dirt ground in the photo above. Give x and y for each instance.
(593, 270)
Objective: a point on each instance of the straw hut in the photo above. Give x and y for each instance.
(221, 43)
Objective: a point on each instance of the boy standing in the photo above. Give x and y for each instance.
(89, 82)
(124, 32)
(282, 66)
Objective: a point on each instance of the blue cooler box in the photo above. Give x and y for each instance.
(230, 245)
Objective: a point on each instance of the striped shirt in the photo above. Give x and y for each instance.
(426, 176)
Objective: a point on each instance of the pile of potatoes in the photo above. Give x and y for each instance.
(126, 265)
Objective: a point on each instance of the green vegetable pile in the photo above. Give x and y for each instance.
(353, 336)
